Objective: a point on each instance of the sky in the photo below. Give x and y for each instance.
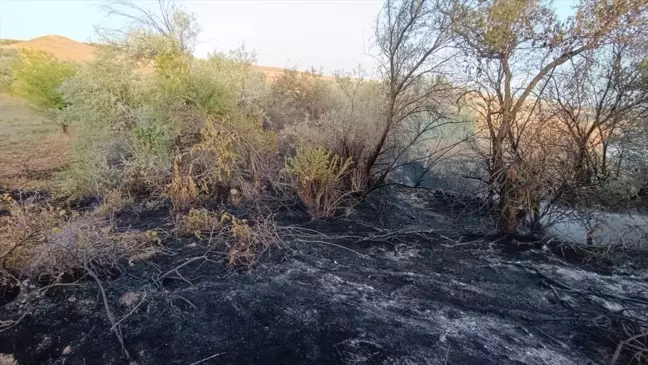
(331, 34)
(327, 34)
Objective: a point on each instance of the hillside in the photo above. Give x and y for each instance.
(6, 42)
(61, 47)
(70, 50)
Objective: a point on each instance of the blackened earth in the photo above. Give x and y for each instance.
(440, 292)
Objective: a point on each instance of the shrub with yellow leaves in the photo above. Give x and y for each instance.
(320, 184)
(246, 240)
(198, 221)
(182, 190)
(215, 155)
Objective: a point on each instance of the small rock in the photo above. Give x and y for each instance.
(6, 359)
(67, 350)
(129, 299)
(44, 344)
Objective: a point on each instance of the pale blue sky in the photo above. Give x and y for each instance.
(333, 34)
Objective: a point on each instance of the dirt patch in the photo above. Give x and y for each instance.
(32, 147)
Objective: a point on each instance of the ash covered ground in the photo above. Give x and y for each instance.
(418, 280)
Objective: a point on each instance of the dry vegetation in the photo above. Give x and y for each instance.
(560, 111)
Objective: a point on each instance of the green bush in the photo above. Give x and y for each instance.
(7, 59)
(134, 125)
(320, 176)
(37, 76)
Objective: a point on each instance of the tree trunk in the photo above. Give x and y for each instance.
(506, 211)
(581, 173)
(371, 161)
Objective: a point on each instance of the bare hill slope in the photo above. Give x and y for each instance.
(61, 47)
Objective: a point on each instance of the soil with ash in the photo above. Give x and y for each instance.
(417, 281)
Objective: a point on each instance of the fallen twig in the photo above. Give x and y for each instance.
(619, 348)
(334, 245)
(203, 257)
(111, 317)
(7, 325)
(207, 358)
(129, 313)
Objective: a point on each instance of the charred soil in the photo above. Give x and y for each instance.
(418, 281)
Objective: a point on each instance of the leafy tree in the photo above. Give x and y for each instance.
(37, 77)
(150, 31)
(511, 49)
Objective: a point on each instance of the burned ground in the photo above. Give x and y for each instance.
(420, 284)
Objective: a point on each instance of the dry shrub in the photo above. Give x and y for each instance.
(213, 158)
(349, 123)
(319, 180)
(248, 240)
(198, 221)
(218, 156)
(182, 191)
(113, 202)
(91, 240)
(39, 240)
(26, 226)
(298, 95)
(203, 165)
(245, 240)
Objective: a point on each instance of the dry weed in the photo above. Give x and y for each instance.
(114, 201)
(248, 240)
(197, 221)
(39, 240)
(26, 227)
(245, 240)
(182, 191)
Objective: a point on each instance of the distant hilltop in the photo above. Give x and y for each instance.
(61, 47)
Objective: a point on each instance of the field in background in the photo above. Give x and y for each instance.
(32, 147)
